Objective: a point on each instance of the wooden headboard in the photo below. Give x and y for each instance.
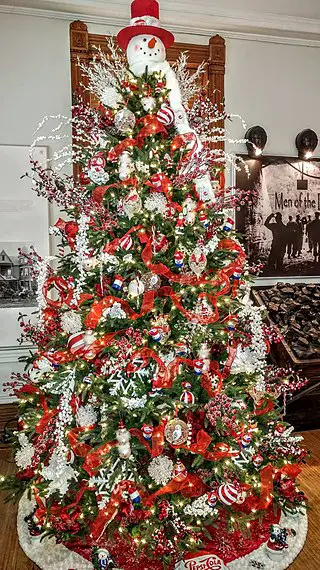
(83, 47)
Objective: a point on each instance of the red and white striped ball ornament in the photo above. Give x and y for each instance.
(227, 494)
(76, 343)
(126, 243)
(79, 342)
(166, 116)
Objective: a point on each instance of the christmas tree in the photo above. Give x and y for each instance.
(150, 434)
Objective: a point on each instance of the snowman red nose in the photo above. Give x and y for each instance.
(152, 43)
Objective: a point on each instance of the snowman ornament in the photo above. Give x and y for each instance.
(145, 43)
(105, 559)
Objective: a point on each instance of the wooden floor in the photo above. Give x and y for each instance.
(12, 557)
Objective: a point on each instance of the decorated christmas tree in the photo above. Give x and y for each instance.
(150, 434)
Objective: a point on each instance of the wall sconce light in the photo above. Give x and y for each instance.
(256, 141)
(306, 143)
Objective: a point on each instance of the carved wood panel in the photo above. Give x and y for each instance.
(84, 46)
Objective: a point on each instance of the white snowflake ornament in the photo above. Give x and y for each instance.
(86, 416)
(142, 167)
(24, 455)
(71, 322)
(109, 261)
(59, 472)
(156, 203)
(111, 97)
(161, 469)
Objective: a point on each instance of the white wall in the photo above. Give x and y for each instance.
(274, 85)
(34, 82)
(34, 74)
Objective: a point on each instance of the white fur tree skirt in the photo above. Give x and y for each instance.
(51, 556)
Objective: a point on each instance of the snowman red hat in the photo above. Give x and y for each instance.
(145, 16)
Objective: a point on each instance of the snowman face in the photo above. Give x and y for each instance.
(103, 555)
(145, 49)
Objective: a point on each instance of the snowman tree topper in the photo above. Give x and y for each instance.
(145, 43)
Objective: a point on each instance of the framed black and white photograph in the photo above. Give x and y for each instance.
(17, 283)
(280, 215)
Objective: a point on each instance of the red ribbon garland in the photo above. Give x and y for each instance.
(152, 126)
(80, 449)
(107, 514)
(48, 414)
(112, 246)
(190, 486)
(263, 408)
(95, 457)
(100, 191)
(220, 451)
(65, 290)
(116, 152)
(265, 499)
(56, 510)
(97, 309)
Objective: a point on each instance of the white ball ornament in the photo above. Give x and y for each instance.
(132, 203)
(198, 261)
(148, 103)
